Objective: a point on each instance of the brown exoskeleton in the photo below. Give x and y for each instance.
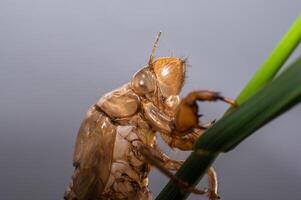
(117, 139)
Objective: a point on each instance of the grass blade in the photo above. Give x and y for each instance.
(274, 62)
(277, 97)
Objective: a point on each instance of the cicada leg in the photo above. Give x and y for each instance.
(213, 184)
(151, 156)
(206, 95)
(165, 160)
(188, 130)
(162, 162)
(187, 116)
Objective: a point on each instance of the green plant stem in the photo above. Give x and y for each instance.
(274, 62)
(273, 100)
(277, 97)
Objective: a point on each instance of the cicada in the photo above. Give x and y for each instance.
(116, 142)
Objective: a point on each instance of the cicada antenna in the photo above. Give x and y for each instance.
(151, 58)
(150, 65)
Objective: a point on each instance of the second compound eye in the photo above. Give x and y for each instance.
(143, 82)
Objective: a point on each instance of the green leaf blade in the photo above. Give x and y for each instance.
(280, 95)
(259, 109)
(271, 98)
(274, 62)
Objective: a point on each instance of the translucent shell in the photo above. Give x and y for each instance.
(144, 82)
(120, 103)
(94, 148)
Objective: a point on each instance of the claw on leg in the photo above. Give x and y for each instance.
(208, 125)
(229, 101)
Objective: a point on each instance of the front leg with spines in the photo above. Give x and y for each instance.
(187, 116)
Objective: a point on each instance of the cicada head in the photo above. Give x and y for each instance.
(162, 80)
(165, 74)
(170, 75)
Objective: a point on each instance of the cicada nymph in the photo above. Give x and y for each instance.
(116, 142)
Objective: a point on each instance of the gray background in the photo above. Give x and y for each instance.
(57, 57)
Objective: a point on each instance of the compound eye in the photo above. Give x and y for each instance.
(144, 82)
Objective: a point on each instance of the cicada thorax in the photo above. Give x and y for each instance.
(120, 103)
(129, 170)
(106, 158)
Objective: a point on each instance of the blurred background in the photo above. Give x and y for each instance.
(57, 57)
